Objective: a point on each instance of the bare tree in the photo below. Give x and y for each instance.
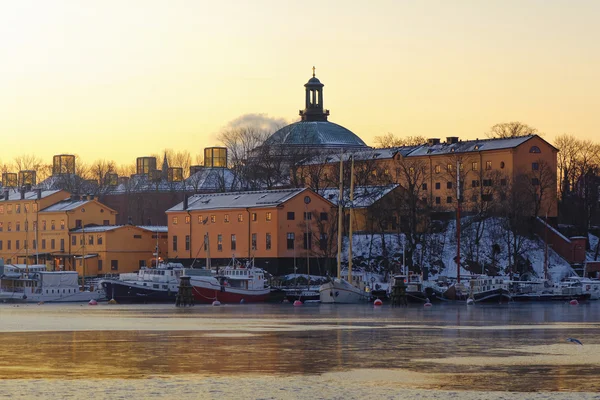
(389, 140)
(511, 129)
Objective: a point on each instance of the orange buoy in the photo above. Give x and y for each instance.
(378, 302)
(297, 303)
(573, 302)
(216, 303)
(93, 302)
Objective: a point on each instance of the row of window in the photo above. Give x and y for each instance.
(254, 242)
(43, 247)
(474, 198)
(17, 207)
(291, 216)
(475, 166)
(474, 183)
(9, 225)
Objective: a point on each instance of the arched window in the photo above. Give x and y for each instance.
(535, 149)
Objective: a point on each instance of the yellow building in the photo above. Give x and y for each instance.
(113, 249)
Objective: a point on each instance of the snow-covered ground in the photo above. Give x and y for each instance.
(591, 254)
(439, 249)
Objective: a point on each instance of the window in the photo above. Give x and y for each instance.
(26, 208)
(8, 244)
(534, 149)
(34, 245)
(9, 209)
(213, 219)
(324, 216)
(226, 218)
(254, 241)
(99, 239)
(268, 216)
(77, 224)
(187, 242)
(449, 199)
(43, 244)
(438, 200)
(438, 185)
(219, 242)
(240, 218)
(474, 183)
(437, 169)
(200, 219)
(308, 241)
(174, 243)
(502, 182)
(254, 217)
(1, 226)
(114, 265)
(187, 219)
(0, 244)
(26, 226)
(18, 227)
(18, 208)
(449, 167)
(2, 209)
(73, 240)
(535, 166)
(290, 241)
(142, 263)
(175, 220)
(52, 244)
(34, 208)
(488, 165)
(137, 236)
(99, 265)
(91, 239)
(487, 182)
(424, 186)
(62, 224)
(487, 197)
(233, 242)
(448, 185)
(307, 216)
(62, 244)
(291, 215)
(17, 244)
(268, 241)
(323, 241)
(535, 181)
(10, 226)
(34, 225)
(475, 166)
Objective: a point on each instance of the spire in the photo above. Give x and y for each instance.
(165, 167)
(313, 110)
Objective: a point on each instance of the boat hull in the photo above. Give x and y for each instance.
(492, 296)
(207, 291)
(128, 292)
(341, 293)
(550, 297)
(78, 297)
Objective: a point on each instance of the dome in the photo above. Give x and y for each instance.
(314, 81)
(315, 134)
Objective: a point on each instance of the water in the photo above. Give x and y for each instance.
(317, 351)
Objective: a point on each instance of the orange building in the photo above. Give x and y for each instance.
(276, 228)
(489, 170)
(113, 249)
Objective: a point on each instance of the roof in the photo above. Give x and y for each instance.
(107, 228)
(315, 133)
(364, 196)
(66, 205)
(14, 195)
(468, 146)
(236, 200)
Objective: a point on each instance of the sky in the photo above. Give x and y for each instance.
(119, 79)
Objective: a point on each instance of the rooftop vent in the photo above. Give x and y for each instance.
(433, 141)
(452, 139)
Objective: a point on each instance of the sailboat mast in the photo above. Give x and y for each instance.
(546, 248)
(26, 245)
(156, 266)
(340, 215)
(457, 221)
(350, 221)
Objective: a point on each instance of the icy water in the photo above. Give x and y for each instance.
(284, 352)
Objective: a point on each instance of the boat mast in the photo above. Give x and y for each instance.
(156, 266)
(207, 244)
(26, 245)
(340, 215)
(83, 257)
(457, 222)
(350, 221)
(546, 248)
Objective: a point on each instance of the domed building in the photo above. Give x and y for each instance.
(313, 130)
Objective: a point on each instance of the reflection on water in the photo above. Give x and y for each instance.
(452, 347)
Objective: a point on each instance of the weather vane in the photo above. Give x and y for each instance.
(313, 71)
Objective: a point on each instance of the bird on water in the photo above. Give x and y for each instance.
(574, 341)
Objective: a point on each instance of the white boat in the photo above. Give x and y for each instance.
(340, 291)
(148, 285)
(489, 289)
(33, 284)
(588, 286)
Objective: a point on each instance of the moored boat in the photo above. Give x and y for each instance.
(340, 291)
(148, 285)
(484, 288)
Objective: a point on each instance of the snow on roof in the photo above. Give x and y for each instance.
(262, 198)
(364, 196)
(315, 133)
(66, 205)
(156, 229)
(106, 228)
(14, 194)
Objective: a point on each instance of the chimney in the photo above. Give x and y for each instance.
(6, 194)
(23, 193)
(185, 201)
(38, 193)
(433, 141)
(451, 140)
(129, 221)
(91, 197)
